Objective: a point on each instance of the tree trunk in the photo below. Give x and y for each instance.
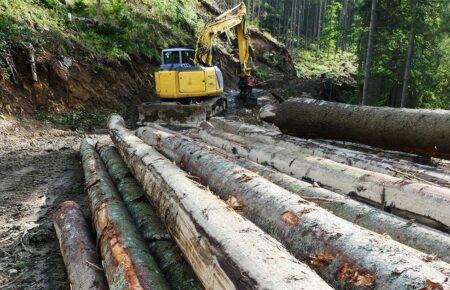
(369, 55)
(413, 130)
(127, 262)
(100, 16)
(426, 203)
(170, 259)
(409, 57)
(32, 55)
(78, 248)
(392, 164)
(345, 255)
(226, 250)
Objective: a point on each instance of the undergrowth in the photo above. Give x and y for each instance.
(338, 68)
(78, 119)
(129, 27)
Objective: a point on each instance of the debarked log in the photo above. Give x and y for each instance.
(126, 260)
(170, 259)
(416, 130)
(78, 248)
(427, 203)
(344, 254)
(398, 167)
(225, 250)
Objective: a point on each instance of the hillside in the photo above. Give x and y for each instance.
(101, 58)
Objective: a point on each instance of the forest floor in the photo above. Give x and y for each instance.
(40, 168)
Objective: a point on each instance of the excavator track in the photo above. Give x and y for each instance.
(176, 113)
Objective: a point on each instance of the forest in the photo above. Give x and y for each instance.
(406, 64)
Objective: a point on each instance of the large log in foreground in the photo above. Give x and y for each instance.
(344, 254)
(170, 259)
(225, 250)
(78, 248)
(127, 262)
(426, 203)
(405, 129)
(392, 165)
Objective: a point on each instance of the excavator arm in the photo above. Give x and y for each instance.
(233, 18)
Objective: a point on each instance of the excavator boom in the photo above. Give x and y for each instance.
(233, 18)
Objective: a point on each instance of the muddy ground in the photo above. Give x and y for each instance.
(40, 167)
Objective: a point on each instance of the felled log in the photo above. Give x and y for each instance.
(405, 129)
(225, 250)
(78, 248)
(127, 262)
(395, 167)
(426, 203)
(170, 259)
(344, 254)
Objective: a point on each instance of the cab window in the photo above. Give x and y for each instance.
(188, 57)
(171, 57)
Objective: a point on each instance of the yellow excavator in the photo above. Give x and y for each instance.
(187, 82)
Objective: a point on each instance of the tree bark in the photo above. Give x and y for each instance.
(408, 63)
(170, 259)
(127, 262)
(345, 255)
(78, 248)
(226, 250)
(369, 54)
(426, 203)
(392, 165)
(412, 130)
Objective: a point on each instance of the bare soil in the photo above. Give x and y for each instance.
(40, 167)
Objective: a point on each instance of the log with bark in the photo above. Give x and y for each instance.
(392, 165)
(78, 248)
(408, 232)
(126, 260)
(344, 254)
(423, 202)
(416, 130)
(225, 250)
(170, 259)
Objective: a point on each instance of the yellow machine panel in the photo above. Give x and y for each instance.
(187, 84)
(166, 84)
(192, 82)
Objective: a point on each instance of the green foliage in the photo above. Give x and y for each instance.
(338, 67)
(260, 74)
(75, 119)
(129, 28)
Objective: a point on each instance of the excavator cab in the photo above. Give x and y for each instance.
(179, 77)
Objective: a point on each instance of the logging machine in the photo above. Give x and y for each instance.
(189, 85)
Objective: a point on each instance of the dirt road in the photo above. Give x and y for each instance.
(39, 168)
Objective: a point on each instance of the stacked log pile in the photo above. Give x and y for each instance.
(414, 199)
(291, 219)
(232, 205)
(226, 250)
